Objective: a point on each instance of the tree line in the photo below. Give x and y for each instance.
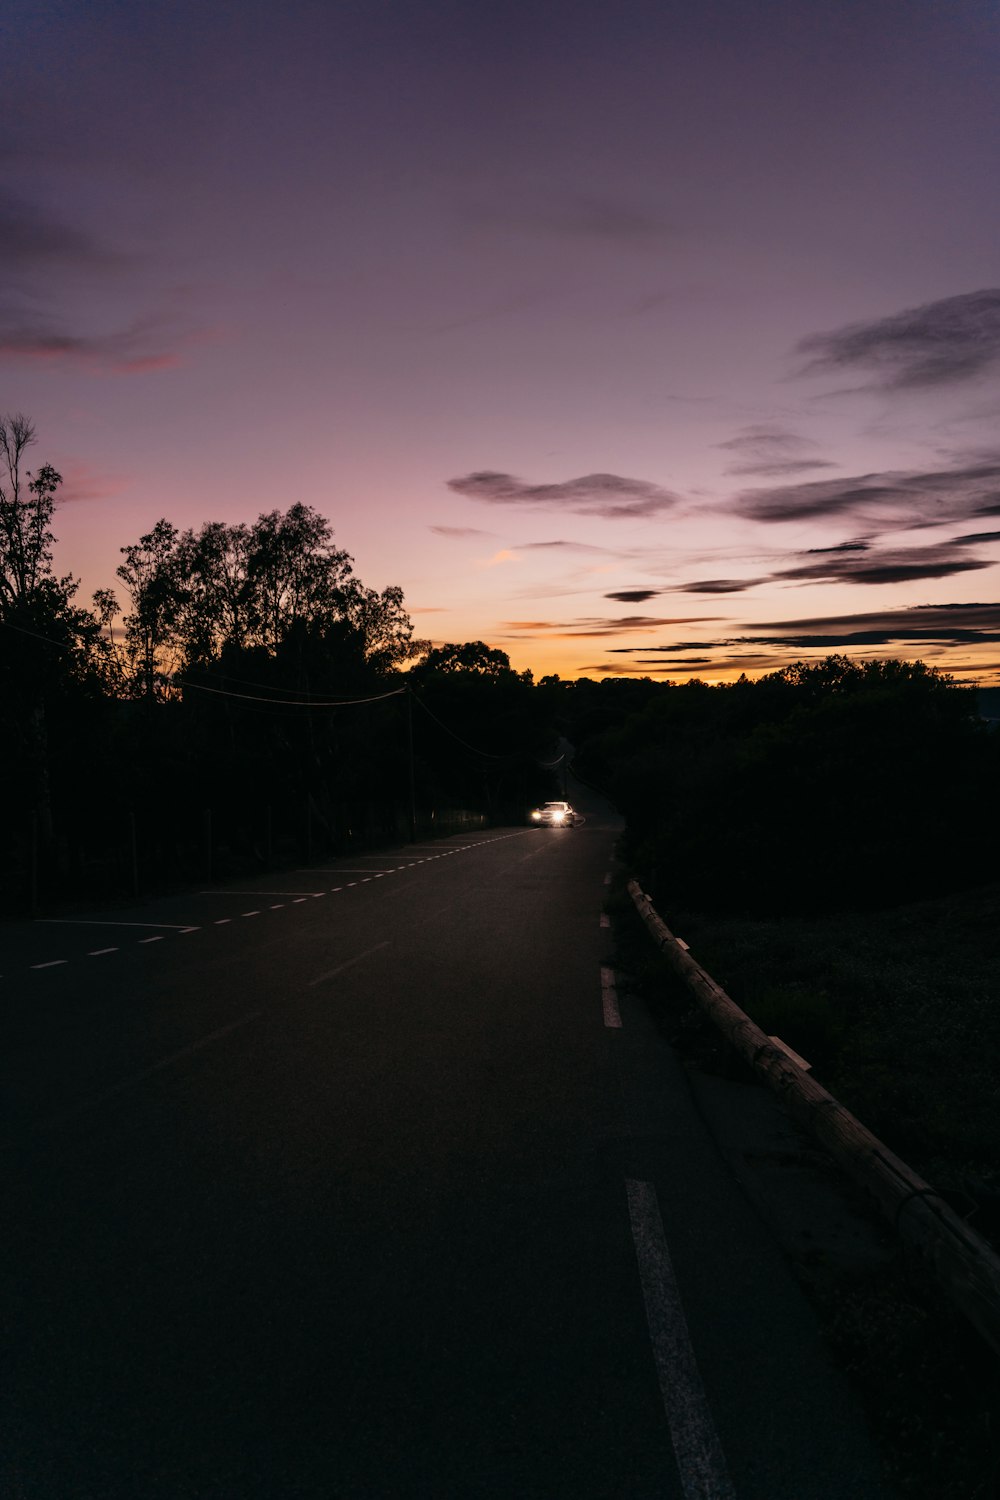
(249, 698)
(250, 701)
(826, 786)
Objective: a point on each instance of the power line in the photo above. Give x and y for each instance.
(59, 645)
(488, 754)
(287, 702)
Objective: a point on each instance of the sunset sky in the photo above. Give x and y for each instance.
(655, 337)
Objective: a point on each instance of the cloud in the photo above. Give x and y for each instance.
(621, 668)
(902, 565)
(634, 596)
(976, 536)
(81, 483)
(772, 451)
(943, 624)
(929, 625)
(937, 343)
(505, 555)
(895, 498)
(40, 257)
(719, 586)
(29, 236)
(859, 546)
(567, 214)
(935, 633)
(597, 626)
(607, 495)
(143, 346)
(459, 531)
(563, 546)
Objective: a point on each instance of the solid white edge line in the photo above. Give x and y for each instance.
(609, 998)
(701, 1462)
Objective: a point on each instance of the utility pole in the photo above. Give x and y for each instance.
(413, 784)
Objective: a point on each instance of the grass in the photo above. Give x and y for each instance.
(899, 1013)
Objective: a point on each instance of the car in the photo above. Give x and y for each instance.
(555, 815)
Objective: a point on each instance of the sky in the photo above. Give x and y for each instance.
(655, 338)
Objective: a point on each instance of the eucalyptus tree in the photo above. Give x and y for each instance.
(50, 647)
(153, 575)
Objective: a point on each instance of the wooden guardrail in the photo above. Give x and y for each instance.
(962, 1262)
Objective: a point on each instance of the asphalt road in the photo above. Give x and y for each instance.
(366, 1181)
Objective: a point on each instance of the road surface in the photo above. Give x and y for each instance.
(365, 1180)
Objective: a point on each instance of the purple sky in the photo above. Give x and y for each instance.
(657, 338)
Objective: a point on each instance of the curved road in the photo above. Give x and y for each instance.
(365, 1181)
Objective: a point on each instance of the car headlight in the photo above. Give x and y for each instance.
(557, 817)
(537, 817)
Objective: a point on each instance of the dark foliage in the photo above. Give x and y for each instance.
(819, 787)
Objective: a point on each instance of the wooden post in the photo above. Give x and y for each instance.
(135, 854)
(413, 782)
(963, 1263)
(33, 869)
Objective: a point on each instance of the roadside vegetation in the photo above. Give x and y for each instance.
(247, 701)
(823, 842)
(930, 1383)
(824, 838)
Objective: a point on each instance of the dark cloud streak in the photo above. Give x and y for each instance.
(610, 496)
(937, 343)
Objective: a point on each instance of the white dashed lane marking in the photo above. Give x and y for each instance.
(609, 998)
(295, 898)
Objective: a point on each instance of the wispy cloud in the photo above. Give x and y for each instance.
(772, 451)
(955, 623)
(143, 346)
(607, 495)
(40, 255)
(30, 237)
(860, 562)
(937, 343)
(459, 532)
(902, 565)
(82, 482)
(894, 498)
(633, 596)
(566, 214)
(926, 625)
(563, 546)
(719, 586)
(598, 626)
